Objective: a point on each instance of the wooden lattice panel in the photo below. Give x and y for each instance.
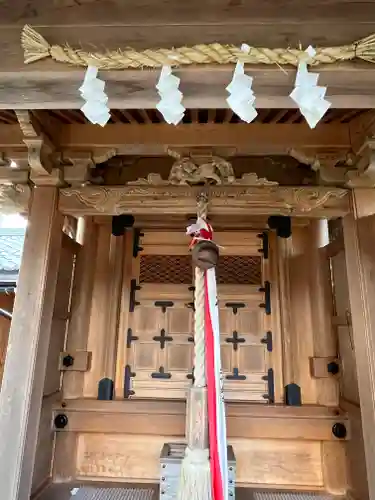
(167, 269)
(177, 269)
(239, 270)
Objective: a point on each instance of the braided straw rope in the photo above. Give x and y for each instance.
(36, 48)
(199, 297)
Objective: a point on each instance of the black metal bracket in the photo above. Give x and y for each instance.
(137, 234)
(190, 305)
(270, 378)
(130, 337)
(282, 224)
(293, 395)
(236, 375)
(161, 373)
(120, 223)
(190, 339)
(162, 338)
(267, 340)
(68, 361)
(235, 340)
(61, 421)
(235, 306)
(339, 430)
(266, 305)
(133, 288)
(333, 368)
(164, 304)
(127, 382)
(264, 250)
(190, 376)
(105, 389)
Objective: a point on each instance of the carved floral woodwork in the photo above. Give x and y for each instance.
(232, 199)
(364, 173)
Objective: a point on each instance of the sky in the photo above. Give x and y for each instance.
(13, 221)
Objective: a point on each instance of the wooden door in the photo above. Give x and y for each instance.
(160, 334)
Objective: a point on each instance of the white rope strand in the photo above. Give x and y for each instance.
(199, 299)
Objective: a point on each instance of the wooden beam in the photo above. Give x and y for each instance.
(26, 361)
(359, 238)
(49, 85)
(241, 200)
(168, 418)
(253, 138)
(346, 15)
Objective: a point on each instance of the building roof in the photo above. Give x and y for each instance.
(11, 245)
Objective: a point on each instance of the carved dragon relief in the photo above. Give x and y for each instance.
(188, 170)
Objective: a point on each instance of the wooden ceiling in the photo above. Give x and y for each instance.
(201, 116)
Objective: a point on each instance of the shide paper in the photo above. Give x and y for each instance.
(92, 91)
(307, 94)
(242, 98)
(170, 104)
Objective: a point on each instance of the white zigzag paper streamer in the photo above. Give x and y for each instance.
(242, 98)
(170, 104)
(92, 91)
(307, 94)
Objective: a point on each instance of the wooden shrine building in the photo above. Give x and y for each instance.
(99, 354)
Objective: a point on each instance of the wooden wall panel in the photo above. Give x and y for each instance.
(359, 238)
(45, 447)
(259, 462)
(355, 454)
(6, 302)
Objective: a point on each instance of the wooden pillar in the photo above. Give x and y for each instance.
(122, 349)
(359, 239)
(25, 365)
(104, 319)
(81, 304)
(301, 336)
(324, 337)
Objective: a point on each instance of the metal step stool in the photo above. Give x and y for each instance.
(170, 467)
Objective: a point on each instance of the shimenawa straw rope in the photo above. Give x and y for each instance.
(36, 48)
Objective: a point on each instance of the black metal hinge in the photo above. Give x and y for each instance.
(136, 237)
(236, 375)
(164, 304)
(271, 386)
(266, 289)
(264, 250)
(190, 376)
(133, 288)
(268, 341)
(130, 337)
(235, 306)
(128, 375)
(161, 373)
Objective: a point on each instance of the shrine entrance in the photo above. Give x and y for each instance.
(161, 319)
